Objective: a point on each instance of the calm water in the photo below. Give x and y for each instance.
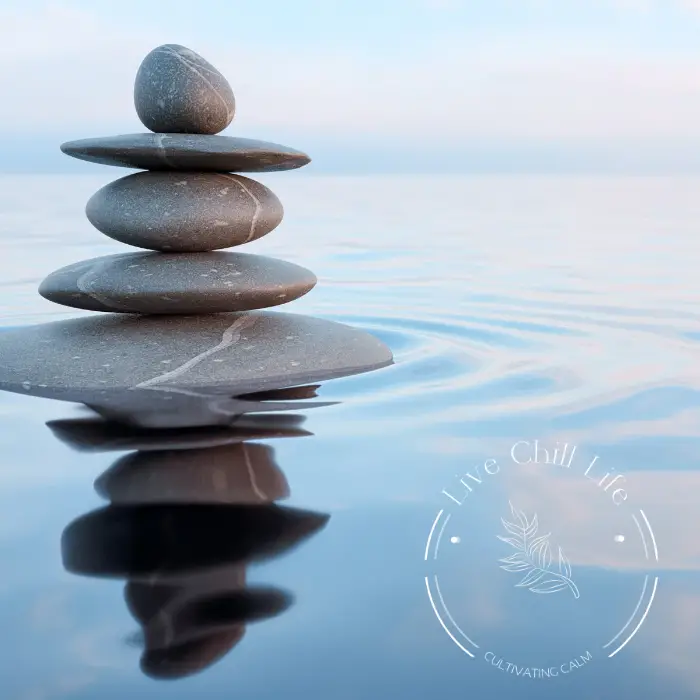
(562, 310)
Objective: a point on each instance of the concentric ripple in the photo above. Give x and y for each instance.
(499, 307)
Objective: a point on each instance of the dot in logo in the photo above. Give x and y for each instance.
(455, 540)
(619, 538)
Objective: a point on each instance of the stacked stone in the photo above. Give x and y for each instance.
(186, 205)
(190, 330)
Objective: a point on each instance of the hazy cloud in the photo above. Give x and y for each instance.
(68, 69)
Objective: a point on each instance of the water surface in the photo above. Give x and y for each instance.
(558, 309)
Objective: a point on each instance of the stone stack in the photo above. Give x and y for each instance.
(186, 205)
(181, 335)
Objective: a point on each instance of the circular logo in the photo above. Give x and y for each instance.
(539, 564)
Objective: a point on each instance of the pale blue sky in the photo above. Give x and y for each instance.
(377, 85)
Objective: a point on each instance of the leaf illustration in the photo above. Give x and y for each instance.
(517, 566)
(544, 555)
(534, 557)
(519, 516)
(518, 557)
(564, 565)
(550, 586)
(513, 529)
(531, 578)
(512, 542)
(532, 528)
(533, 545)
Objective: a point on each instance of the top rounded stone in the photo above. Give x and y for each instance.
(178, 92)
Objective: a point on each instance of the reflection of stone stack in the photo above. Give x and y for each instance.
(188, 512)
(184, 317)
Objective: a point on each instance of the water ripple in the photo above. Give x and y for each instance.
(508, 311)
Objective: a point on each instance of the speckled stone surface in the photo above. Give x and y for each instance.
(177, 91)
(238, 473)
(187, 152)
(184, 212)
(158, 283)
(167, 367)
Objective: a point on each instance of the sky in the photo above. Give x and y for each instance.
(376, 85)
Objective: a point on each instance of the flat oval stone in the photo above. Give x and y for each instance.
(162, 283)
(184, 212)
(172, 368)
(187, 152)
(177, 91)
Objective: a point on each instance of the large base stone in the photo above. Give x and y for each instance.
(173, 371)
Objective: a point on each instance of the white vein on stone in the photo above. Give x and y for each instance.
(251, 475)
(166, 620)
(215, 404)
(166, 615)
(231, 336)
(256, 202)
(162, 152)
(195, 70)
(196, 67)
(190, 56)
(234, 407)
(84, 282)
(191, 588)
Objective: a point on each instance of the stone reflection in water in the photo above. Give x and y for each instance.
(189, 511)
(204, 408)
(106, 436)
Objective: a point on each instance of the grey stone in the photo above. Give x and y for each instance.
(171, 371)
(184, 212)
(187, 152)
(238, 473)
(177, 91)
(157, 283)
